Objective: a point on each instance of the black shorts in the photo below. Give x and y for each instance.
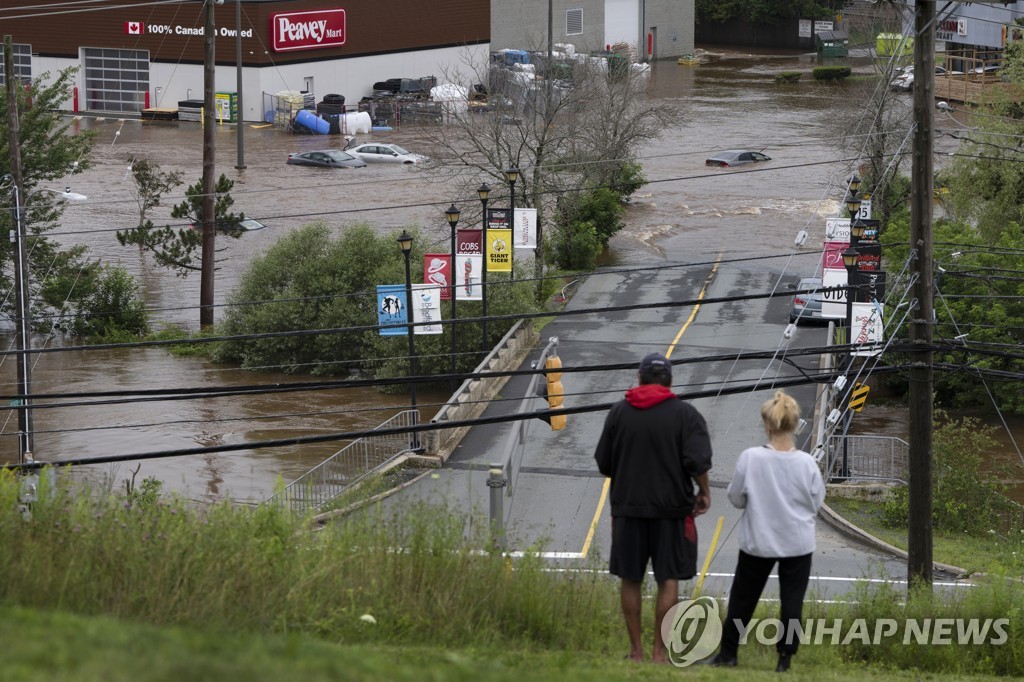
(670, 545)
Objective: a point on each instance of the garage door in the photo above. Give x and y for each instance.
(115, 80)
(22, 63)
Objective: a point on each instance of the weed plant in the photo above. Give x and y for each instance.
(422, 578)
(376, 579)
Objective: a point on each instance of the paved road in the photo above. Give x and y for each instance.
(559, 502)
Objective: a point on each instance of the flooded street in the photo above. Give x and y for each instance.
(688, 211)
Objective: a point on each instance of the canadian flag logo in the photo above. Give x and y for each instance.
(133, 28)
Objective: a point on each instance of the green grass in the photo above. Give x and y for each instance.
(96, 586)
(989, 553)
(61, 647)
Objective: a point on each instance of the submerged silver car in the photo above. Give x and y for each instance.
(735, 157)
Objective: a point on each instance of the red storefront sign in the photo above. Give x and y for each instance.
(307, 30)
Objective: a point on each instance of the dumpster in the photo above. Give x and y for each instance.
(832, 43)
(889, 44)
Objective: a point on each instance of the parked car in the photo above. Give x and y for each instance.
(904, 80)
(326, 158)
(375, 152)
(735, 157)
(245, 225)
(806, 306)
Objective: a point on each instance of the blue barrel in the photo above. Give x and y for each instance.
(308, 119)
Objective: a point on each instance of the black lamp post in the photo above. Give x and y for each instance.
(484, 192)
(850, 262)
(854, 183)
(512, 175)
(853, 203)
(405, 242)
(452, 214)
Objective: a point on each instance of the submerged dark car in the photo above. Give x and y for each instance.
(327, 158)
(735, 157)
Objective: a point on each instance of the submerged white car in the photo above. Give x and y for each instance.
(375, 152)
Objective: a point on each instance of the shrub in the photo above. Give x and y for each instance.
(831, 73)
(112, 310)
(788, 77)
(576, 246)
(965, 497)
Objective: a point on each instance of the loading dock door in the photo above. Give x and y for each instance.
(115, 80)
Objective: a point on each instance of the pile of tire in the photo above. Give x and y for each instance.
(331, 104)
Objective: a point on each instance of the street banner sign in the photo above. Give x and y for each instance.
(833, 300)
(868, 329)
(499, 250)
(869, 255)
(391, 310)
(468, 271)
(870, 286)
(426, 308)
(437, 270)
(832, 256)
(837, 229)
(525, 229)
(469, 242)
(498, 218)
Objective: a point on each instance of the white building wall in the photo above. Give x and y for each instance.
(353, 77)
(622, 22)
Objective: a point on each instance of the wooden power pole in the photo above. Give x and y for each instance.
(919, 544)
(209, 180)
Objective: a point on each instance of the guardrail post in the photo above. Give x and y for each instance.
(496, 482)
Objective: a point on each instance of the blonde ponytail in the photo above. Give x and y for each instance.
(780, 414)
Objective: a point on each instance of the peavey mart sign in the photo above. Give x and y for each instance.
(311, 30)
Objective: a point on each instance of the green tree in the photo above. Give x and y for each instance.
(979, 307)
(112, 309)
(50, 152)
(310, 280)
(764, 12)
(179, 249)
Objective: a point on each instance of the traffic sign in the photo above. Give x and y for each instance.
(859, 396)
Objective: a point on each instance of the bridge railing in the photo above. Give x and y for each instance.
(876, 458)
(348, 466)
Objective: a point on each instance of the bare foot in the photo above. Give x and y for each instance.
(634, 656)
(659, 658)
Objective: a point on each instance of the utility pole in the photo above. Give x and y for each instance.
(919, 542)
(209, 199)
(24, 370)
(239, 131)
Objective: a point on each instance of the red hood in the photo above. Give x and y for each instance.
(648, 395)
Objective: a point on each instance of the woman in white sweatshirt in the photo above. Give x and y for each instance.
(779, 489)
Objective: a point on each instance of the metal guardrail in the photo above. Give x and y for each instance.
(504, 474)
(347, 466)
(875, 458)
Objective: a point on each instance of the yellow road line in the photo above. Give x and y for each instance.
(597, 517)
(608, 481)
(693, 313)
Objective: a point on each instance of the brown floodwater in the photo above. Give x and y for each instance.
(728, 102)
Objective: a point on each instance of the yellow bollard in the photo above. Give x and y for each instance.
(707, 559)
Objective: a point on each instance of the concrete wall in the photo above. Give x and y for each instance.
(472, 400)
(524, 24)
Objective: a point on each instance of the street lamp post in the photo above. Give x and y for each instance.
(405, 242)
(452, 214)
(23, 309)
(512, 175)
(850, 262)
(484, 192)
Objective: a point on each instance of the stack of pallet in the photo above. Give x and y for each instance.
(190, 110)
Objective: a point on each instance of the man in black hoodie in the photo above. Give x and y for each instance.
(654, 447)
